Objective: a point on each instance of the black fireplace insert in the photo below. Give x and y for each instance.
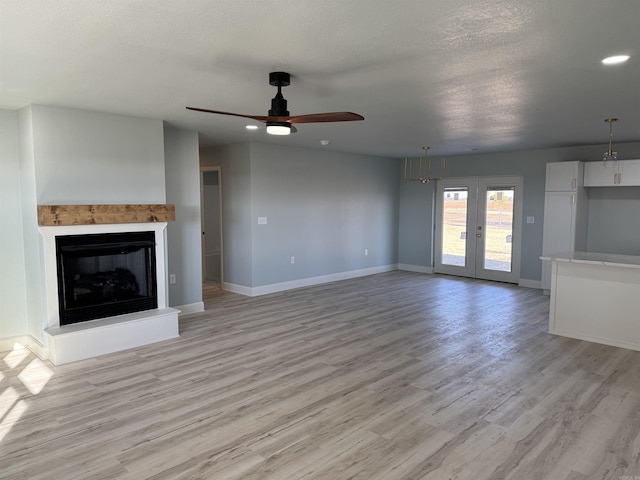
(102, 275)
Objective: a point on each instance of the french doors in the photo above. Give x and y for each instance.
(478, 226)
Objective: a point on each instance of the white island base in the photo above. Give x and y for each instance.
(596, 297)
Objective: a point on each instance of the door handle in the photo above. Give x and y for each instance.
(478, 235)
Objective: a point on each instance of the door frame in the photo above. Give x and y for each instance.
(474, 267)
(202, 210)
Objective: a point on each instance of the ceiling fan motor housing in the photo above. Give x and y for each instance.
(279, 103)
(278, 106)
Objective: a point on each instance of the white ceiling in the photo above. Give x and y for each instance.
(458, 75)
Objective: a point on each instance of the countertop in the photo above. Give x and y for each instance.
(593, 258)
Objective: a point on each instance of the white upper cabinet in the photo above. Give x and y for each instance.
(563, 176)
(600, 174)
(629, 173)
(611, 174)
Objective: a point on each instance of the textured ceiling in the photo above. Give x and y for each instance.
(458, 75)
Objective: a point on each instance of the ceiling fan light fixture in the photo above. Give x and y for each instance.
(278, 128)
(615, 60)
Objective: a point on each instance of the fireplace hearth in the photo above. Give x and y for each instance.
(102, 275)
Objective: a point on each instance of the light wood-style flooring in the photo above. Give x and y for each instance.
(393, 376)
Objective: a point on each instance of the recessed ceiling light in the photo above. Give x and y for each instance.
(324, 142)
(616, 59)
(251, 127)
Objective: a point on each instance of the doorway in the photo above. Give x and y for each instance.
(211, 226)
(478, 226)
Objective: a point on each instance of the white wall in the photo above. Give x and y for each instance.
(182, 167)
(13, 307)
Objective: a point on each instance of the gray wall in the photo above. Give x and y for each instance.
(235, 183)
(87, 157)
(614, 220)
(13, 307)
(183, 236)
(531, 164)
(32, 243)
(415, 224)
(322, 207)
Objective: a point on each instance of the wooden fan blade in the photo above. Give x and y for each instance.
(254, 117)
(326, 117)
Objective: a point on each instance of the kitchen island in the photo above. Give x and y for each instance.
(596, 297)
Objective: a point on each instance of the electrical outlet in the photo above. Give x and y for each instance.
(293, 260)
(366, 252)
(172, 279)
(530, 219)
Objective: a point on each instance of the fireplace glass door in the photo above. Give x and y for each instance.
(104, 275)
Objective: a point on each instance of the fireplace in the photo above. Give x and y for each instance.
(68, 336)
(103, 275)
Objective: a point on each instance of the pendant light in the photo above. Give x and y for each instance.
(423, 170)
(610, 155)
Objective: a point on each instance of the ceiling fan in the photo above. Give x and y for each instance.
(279, 121)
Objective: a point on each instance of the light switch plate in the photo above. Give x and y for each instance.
(530, 220)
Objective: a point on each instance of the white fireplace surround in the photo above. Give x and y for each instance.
(78, 341)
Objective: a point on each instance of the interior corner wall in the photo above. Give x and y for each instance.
(184, 254)
(323, 208)
(13, 306)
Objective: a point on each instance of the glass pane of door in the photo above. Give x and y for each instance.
(498, 233)
(454, 226)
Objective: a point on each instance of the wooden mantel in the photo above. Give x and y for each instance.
(58, 215)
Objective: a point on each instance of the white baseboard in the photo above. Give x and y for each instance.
(305, 282)
(414, 268)
(524, 282)
(190, 308)
(36, 347)
(24, 341)
(595, 339)
(241, 289)
(12, 343)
